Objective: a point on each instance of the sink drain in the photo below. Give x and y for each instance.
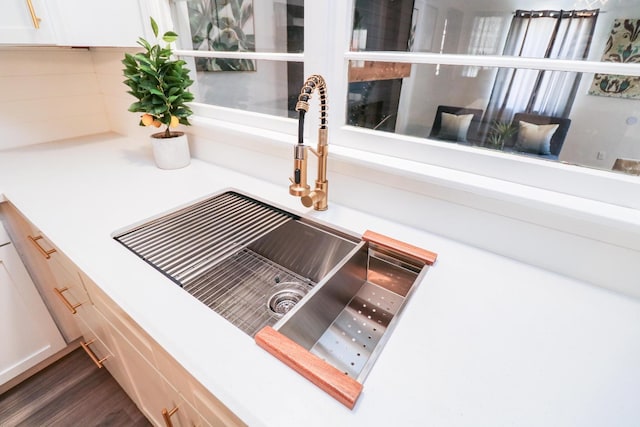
(284, 300)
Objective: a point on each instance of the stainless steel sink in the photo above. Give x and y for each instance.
(248, 261)
(320, 299)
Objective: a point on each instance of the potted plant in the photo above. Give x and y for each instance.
(160, 83)
(500, 132)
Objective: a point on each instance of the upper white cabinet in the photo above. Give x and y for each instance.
(98, 23)
(76, 22)
(26, 22)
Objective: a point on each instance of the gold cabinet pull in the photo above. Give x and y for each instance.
(166, 416)
(92, 355)
(71, 307)
(34, 17)
(43, 251)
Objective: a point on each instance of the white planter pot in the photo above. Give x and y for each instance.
(171, 153)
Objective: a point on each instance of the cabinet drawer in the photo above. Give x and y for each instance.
(214, 412)
(158, 399)
(68, 288)
(180, 390)
(95, 348)
(99, 338)
(120, 320)
(36, 252)
(211, 409)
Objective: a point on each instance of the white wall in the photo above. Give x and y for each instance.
(48, 94)
(109, 77)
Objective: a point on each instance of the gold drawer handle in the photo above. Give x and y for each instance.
(92, 355)
(71, 307)
(34, 17)
(43, 251)
(166, 416)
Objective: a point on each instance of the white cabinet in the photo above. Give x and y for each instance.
(43, 262)
(27, 332)
(77, 22)
(98, 23)
(26, 22)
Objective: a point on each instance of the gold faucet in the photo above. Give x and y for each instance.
(299, 187)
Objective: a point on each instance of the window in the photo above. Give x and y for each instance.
(247, 55)
(384, 88)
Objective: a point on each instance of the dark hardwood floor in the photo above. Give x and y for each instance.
(70, 392)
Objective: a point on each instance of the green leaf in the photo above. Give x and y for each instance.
(140, 57)
(158, 110)
(128, 60)
(154, 27)
(169, 37)
(135, 107)
(147, 84)
(145, 44)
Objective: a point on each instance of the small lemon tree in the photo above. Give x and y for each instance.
(159, 83)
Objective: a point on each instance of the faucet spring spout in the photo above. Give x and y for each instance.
(319, 195)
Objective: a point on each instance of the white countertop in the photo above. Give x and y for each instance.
(484, 340)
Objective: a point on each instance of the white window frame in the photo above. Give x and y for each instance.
(327, 39)
(599, 185)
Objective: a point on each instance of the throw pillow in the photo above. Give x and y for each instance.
(534, 138)
(455, 127)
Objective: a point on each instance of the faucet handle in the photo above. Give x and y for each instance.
(316, 199)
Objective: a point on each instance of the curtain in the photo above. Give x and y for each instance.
(485, 35)
(541, 34)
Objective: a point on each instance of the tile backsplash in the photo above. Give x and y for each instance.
(49, 93)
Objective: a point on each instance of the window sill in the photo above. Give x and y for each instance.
(584, 217)
(593, 219)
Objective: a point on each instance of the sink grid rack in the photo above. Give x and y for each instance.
(239, 289)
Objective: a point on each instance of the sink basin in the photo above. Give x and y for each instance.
(248, 261)
(320, 299)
